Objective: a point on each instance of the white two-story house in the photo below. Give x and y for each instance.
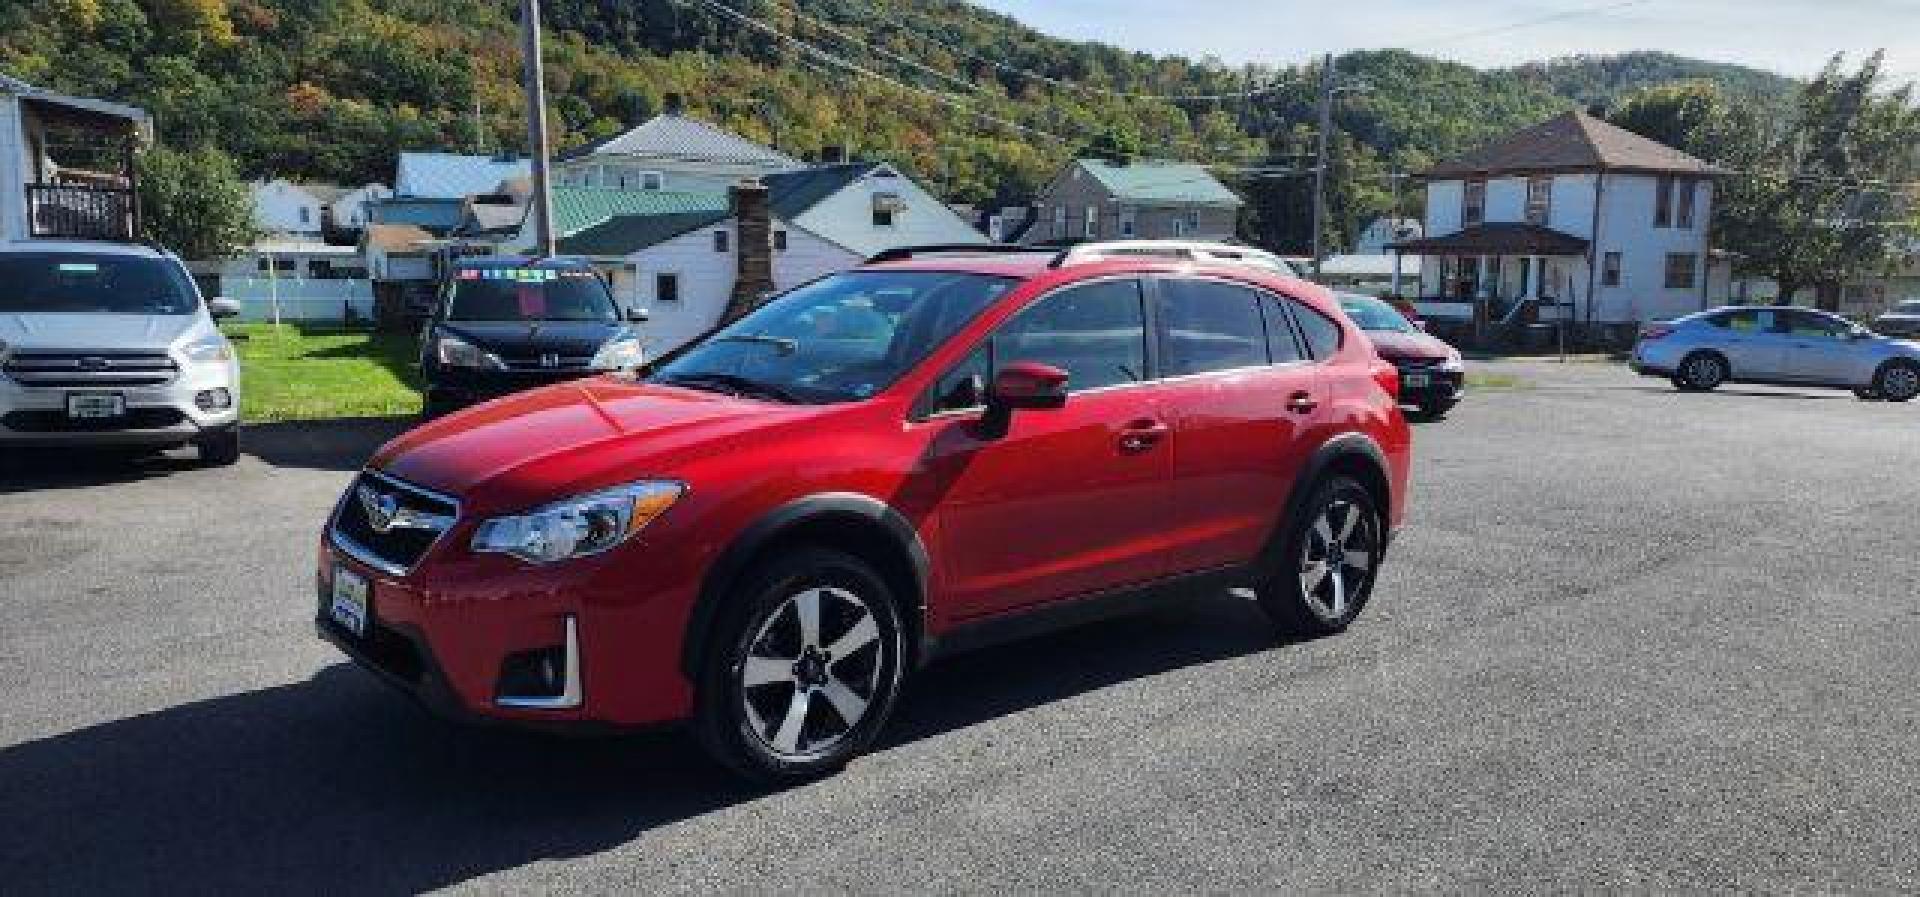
(1571, 219)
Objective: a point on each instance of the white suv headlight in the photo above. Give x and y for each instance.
(579, 526)
(619, 355)
(211, 350)
(1453, 365)
(455, 352)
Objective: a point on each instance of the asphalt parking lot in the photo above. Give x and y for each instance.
(1630, 639)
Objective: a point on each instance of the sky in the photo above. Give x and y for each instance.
(1793, 37)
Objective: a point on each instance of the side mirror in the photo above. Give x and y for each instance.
(637, 315)
(223, 308)
(1022, 385)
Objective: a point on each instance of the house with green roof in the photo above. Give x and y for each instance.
(1102, 199)
(678, 254)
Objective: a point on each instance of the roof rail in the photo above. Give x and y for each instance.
(901, 253)
(1177, 249)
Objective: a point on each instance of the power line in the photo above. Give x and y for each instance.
(942, 97)
(1547, 19)
(871, 13)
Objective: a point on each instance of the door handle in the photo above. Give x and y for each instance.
(1142, 435)
(1301, 403)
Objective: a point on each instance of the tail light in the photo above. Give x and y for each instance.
(1387, 376)
(1656, 331)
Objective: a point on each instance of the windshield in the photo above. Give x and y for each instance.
(87, 283)
(529, 294)
(841, 338)
(1373, 314)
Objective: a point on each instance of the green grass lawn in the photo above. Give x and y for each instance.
(304, 372)
(1482, 380)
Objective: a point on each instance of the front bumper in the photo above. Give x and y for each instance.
(1429, 385)
(464, 386)
(449, 636)
(162, 415)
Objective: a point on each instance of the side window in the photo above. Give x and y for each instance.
(1282, 345)
(1206, 326)
(1807, 324)
(1321, 334)
(963, 386)
(1096, 333)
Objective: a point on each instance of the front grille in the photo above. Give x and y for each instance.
(1417, 364)
(55, 368)
(411, 520)
(55, 420)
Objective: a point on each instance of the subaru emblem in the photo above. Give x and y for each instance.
(381, 508)
(549, 360)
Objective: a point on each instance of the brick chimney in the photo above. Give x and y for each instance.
(833, 154)
(753, 247)
(675, 104)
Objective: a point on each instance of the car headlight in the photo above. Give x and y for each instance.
(212, 350)
(579, 526)
(455, 352)
(619, 355)
(1454, 365)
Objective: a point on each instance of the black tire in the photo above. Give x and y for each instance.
(1302, 606)
(219, 448)
(1701, 372)
(1897, 381)
(762, 622)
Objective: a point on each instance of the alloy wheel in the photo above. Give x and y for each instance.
(1336, 559)
(1900, 383)
(1703, 372)
(811, 672)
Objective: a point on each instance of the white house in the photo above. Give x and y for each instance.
(670, 152)
(66, 164)
(679, 256)
(351, 210)
(1573, 216)
(286, 209)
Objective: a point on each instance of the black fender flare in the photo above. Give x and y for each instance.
(1350, 445)
(734, 561)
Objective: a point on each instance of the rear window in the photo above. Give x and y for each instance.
(92, 283)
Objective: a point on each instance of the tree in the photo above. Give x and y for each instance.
(194, 202)
(1813, 201)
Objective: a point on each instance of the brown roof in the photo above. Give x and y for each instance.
(396, 237)
(1575, 141)
(1500, 238)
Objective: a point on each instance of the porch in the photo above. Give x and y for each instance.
(1504, 273)
(68, 165)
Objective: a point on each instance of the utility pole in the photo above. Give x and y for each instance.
(537, 127)
(1320, 167)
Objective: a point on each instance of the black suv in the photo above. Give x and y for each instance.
(504, 324)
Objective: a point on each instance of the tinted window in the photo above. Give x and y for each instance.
(1096, 333)
(1322, 335)
(528, 294)
(842, 337)
(1802, 323)
(1282, 343)
(1206, 326)
(84, 283)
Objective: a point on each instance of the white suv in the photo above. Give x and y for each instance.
(111, 344)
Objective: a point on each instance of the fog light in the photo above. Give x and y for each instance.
(213, 399)
(543, 679)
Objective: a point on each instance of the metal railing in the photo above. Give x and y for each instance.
(82, 212)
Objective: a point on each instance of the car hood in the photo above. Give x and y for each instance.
(559, 440)
(1392, 344)
(40, 330)
(512, 339)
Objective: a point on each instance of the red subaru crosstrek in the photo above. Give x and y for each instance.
(766, 531)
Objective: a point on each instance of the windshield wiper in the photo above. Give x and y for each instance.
(734, 384)
(784, 345)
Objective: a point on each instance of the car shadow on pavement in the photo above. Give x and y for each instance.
(38, 469)
(338, 785)
(343, 444)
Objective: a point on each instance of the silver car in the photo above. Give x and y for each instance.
(1903, 320)
(111, 344)
(1781, 346)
